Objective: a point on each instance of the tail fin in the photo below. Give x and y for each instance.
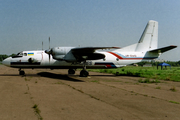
(149, 38)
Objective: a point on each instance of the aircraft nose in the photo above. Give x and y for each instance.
(7, 61)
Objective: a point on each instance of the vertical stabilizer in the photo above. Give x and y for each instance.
(149, 38)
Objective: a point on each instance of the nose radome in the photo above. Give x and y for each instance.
(7, 61)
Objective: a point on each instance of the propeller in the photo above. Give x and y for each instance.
(49, 51)
(49, 42)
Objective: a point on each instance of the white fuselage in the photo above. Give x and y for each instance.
(113, 59)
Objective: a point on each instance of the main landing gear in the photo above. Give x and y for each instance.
(21, 72)
(84, 72)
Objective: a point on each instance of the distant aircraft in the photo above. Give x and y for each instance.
(91, 57)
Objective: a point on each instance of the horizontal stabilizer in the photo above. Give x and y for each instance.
(164, 49)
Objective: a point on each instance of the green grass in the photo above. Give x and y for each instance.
(95, 81)
(174, 102)
(37, 111)
(172, 74)
(147, 80)
(158, 87)
(173, 89)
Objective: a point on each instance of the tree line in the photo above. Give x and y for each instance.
(2, 57)
(172, 63)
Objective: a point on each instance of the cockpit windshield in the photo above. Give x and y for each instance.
(20, 54)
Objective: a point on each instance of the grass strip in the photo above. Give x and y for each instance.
(145, 72)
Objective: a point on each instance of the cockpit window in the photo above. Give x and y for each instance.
(18, 55)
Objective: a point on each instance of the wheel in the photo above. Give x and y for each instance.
(21, 72)
(84, 73)
(71, 71)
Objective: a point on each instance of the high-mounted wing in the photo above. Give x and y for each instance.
(85, 53)
(91, 49)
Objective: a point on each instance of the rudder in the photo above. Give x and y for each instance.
(149, 38)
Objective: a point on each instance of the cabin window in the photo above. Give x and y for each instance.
(104, 59)
(117, 59)
(25, 54)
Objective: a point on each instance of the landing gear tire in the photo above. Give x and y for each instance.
(84, 73)
(71, 71)
(21, 72)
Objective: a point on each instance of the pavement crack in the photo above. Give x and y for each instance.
(136, 93)
(96, 98)
(37, 111)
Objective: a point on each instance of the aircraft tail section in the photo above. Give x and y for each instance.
(149, 38)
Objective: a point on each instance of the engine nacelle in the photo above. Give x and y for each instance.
(58, 53)
(32, 60)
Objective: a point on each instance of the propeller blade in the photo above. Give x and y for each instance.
(42, 45)
(49, 58)
(49, 42)
(49, 51)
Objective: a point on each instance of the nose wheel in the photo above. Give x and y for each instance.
(21, 72)
(71, 71)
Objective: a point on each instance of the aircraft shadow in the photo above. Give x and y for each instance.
(58, 76)
(48, 75)
(9, 75)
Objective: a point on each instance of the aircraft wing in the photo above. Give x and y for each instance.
(85, 53)
(164, 49)
(90, 49)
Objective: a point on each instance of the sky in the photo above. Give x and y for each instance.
(25, 24)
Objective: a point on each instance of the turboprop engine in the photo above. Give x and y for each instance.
(58, 53)
(72, 54)
(32, 60)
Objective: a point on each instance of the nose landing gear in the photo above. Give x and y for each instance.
(71, 71)
(21, 72)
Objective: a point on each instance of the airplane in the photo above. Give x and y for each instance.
(73, 58)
